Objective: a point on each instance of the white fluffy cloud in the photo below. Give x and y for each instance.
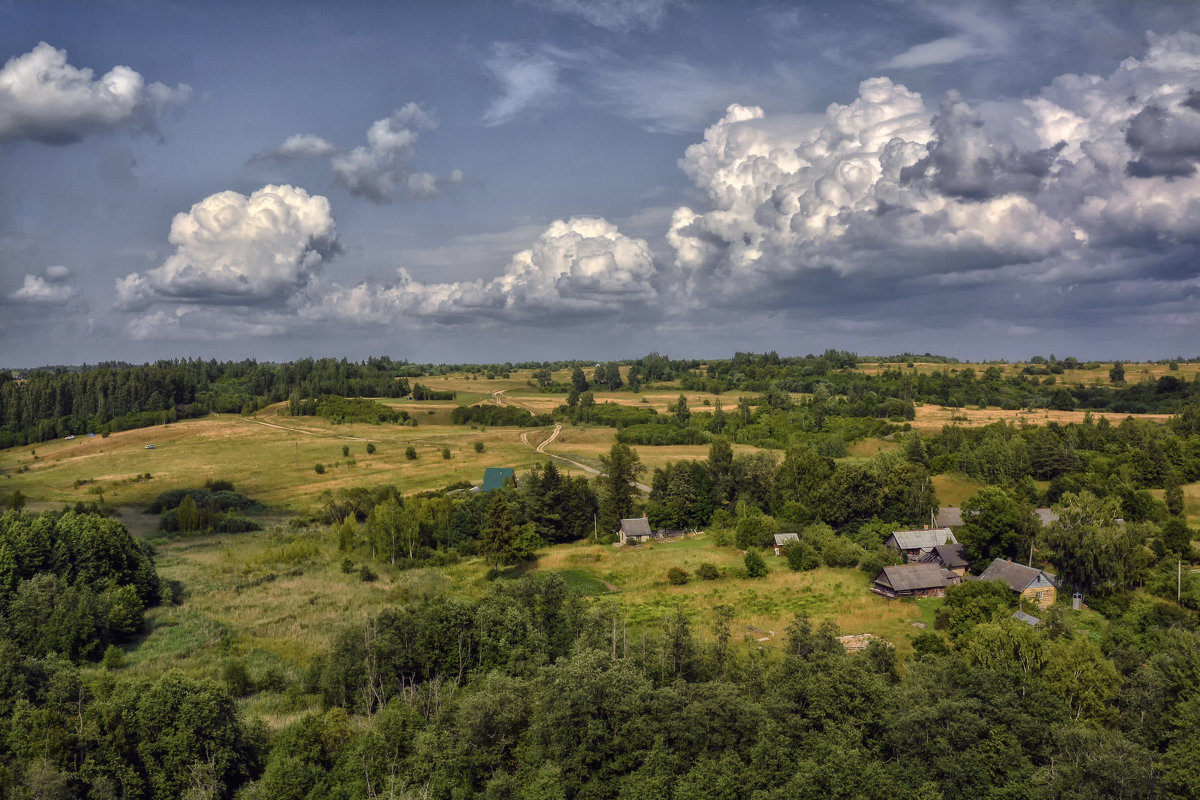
(45, 99)
(382, 170)
(50, 289)
(580, 267)
(233, 249)
(888, 187)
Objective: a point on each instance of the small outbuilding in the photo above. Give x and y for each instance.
(913, 580)
(782, 540)
(495, 477)
(634, 531)
(918, 544)
(1032, 584)
(1028, 619)
(950, 557)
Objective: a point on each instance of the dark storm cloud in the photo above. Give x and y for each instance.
(965, 162)
(1167, 143)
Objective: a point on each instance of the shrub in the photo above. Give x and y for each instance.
(446, 453)
(802, 557)
(345, 451)
(370, 448)
(319, 469)
(237, 678)
(114, 658)
(677, 576)
(479, 447)
(235, 524)
(366, 574)
(755, 566)
(842, 552)
(707, 572)
(410, 453)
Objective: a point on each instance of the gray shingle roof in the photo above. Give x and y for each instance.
(1018, 576)
(923, 540)
(1046, 515)
(952, 555)
(949, 517)
(639, 526)
(913, 577)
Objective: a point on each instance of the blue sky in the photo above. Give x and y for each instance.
(556, 178)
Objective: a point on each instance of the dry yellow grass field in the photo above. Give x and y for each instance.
(931, 418)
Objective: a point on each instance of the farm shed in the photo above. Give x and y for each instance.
(1031, 583)
(494, 478)
(782, 540)
(951, 557)
(913, 580)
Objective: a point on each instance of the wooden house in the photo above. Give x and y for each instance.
(918, 544)
(782, 540)
(950, 557)
(1032, 584)
(635, 531)
(913, 580)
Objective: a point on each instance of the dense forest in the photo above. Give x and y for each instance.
(531, 692)
(41, 404)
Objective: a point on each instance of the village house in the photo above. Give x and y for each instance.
(918, 544)
(1032, 584)
(634, 531)
(914, 580)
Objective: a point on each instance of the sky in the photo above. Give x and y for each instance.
(556, 179)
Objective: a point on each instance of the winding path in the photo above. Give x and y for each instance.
(541, 448)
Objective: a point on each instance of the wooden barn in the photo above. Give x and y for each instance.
(913, 580)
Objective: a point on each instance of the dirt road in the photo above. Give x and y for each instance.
(541, 448)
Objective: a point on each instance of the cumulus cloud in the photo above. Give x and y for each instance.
(527, 80)
(1059, 187)
(233, 249)
(580, 267)
(382, 170)
(45, 99)
(1166, 143)
(965, 162)
(51, 288)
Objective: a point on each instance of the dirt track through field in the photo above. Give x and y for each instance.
(541, 448)
(310, 433)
